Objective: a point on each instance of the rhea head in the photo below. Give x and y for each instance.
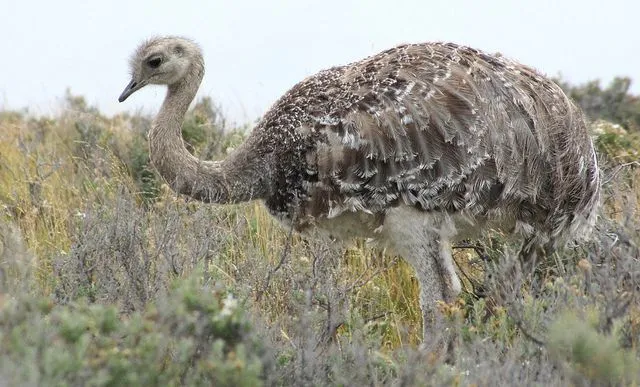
(162, 61)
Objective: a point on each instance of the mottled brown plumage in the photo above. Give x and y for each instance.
(415, 146)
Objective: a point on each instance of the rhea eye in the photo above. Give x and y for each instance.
(154, 63)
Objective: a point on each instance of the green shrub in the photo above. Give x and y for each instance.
(595, 355)
(198, 335)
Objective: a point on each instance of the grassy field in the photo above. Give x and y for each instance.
(108, 278)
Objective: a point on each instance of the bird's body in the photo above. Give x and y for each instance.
(437, 127)
(415, 146)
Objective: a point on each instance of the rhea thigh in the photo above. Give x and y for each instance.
(423, 240)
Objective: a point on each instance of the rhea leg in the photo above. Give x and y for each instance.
(425, 245)
(438, 281)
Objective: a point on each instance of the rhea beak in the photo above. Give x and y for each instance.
(131, 88)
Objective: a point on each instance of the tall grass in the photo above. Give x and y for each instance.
(88, 230)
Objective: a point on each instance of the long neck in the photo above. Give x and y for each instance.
(237, 179)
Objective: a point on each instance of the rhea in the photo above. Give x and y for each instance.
(415, 147)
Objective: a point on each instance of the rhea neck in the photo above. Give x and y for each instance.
(230, 181)
(176, 103)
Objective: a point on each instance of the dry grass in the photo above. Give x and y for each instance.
(97, 225)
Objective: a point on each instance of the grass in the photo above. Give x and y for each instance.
(100, 262)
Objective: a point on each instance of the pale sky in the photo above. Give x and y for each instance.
(256, 50)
